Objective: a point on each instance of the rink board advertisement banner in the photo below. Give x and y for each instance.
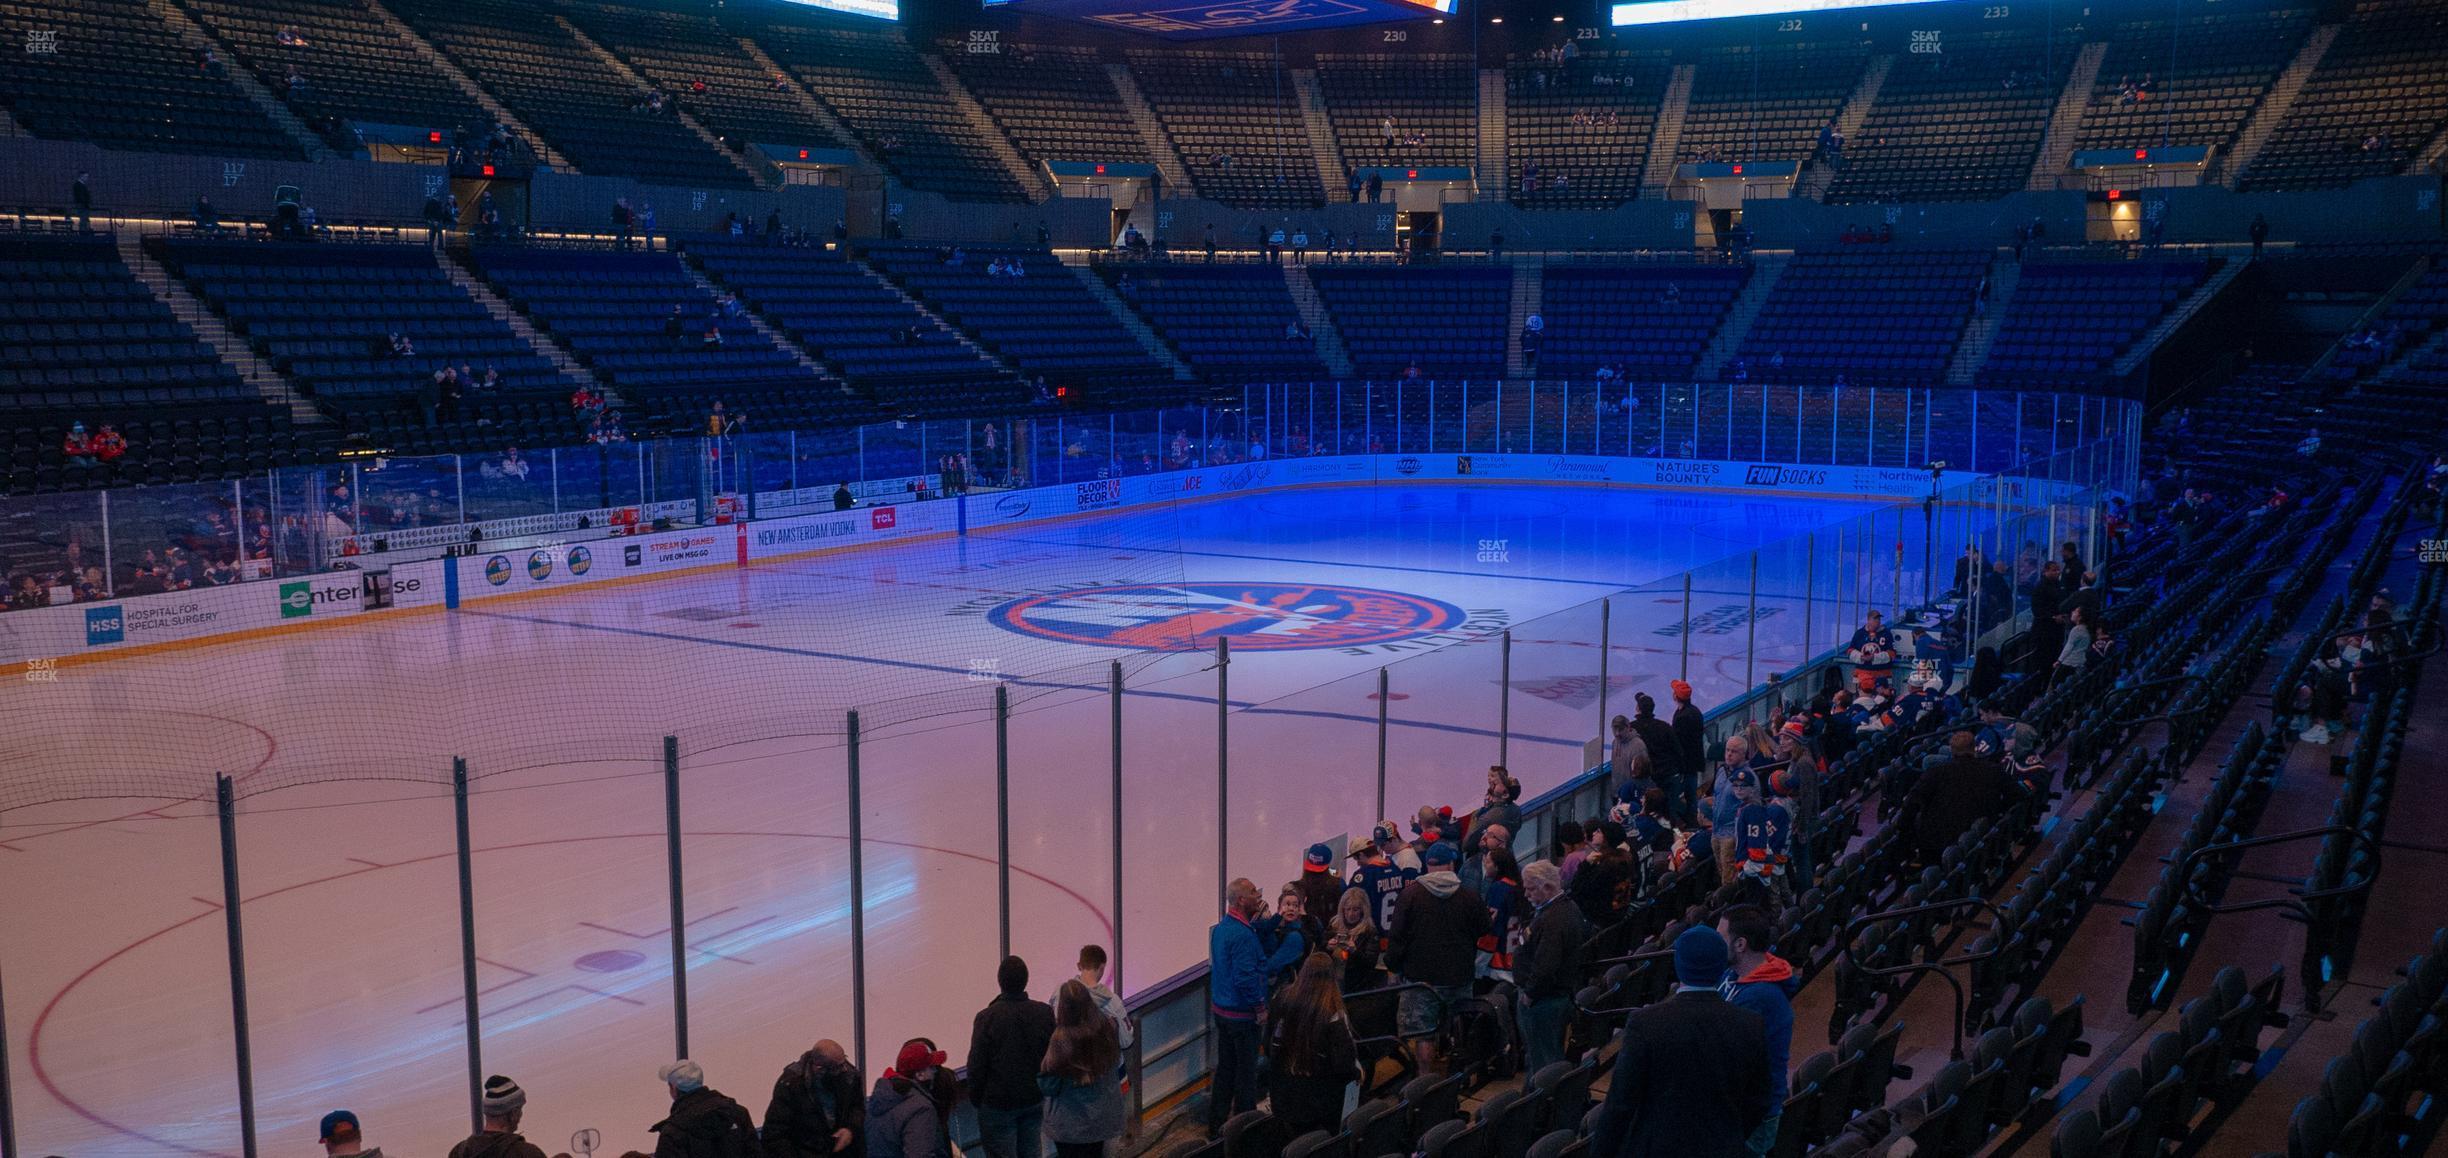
(858, 526)
(52, 633)
(1700, 474)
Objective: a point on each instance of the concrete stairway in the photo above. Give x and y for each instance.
(1320, 126)
(1767, 265)
(2370, 318)
(195, 38)
(1494, 172)
(1077, 262)
(1529, 279)
(1151, 132)
(2065, 125)
(1313, 314)
(928, 312)
(1666, 137)
(691, 123)
(782, 341)
(456, 263)
(212, 331)
(1849, 121)
(1032, 179)
(2275, 104)
(1980, 332)
(814, 109)
(443, 65)
(2424, 158)
(2211, 288)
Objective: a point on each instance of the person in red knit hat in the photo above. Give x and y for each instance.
(912, 1103)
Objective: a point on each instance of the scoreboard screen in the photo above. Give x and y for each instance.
(1180, 20)
(880, 9)
(1637, 12)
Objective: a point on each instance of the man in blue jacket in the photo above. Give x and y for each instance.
(1243, 950)
(1763, 983)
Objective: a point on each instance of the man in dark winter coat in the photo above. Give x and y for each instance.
(819, 1106)
(703, 1123)
(1947, 799)
(1434, 941)
(1547, 965)
(504, 1105)
(1667, 759)
(1691, 740)
(1007, 1045)
(1692, 1076)
(1763, 983)
(2047, 630)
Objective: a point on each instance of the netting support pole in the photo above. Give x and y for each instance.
(1504, 697)
(467, 942)
(1751, 632)
(225, 799)
(1898, 583)
(1223, 669)
(8, 1098)
(1810, 594)
(858, 909)
(1115, 698)
(1685, 671)
(1385, 696)
(1606, 632)
(1002, 718)
(679, 906)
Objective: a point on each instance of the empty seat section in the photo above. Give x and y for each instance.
(1402, 111)
(1236, 120)
(82, 340)
(323, 315)
(1229, 322)
(2379, 96)
(1054, 102)
(1581, 127)
(865, 330)
(2069, 320)
(1650, 321)
(523, 55)
(2188, 82)
(1449, 322)
(1042, 322)
(681, 51)
(1767, 102)
(875, 83)
(642, 323)
(356, 69)
(1883, 317)
(1959, 125)
(111, 72)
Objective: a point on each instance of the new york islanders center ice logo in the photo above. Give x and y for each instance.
(1257, 616)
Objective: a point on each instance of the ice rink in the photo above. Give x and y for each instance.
(114, 961)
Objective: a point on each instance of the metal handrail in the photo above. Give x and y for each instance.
(1938, 965)
(2297, 899)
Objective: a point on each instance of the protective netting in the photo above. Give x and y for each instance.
(770, 658)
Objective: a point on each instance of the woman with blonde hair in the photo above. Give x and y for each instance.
(1080, 1077)
(1355, 943)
